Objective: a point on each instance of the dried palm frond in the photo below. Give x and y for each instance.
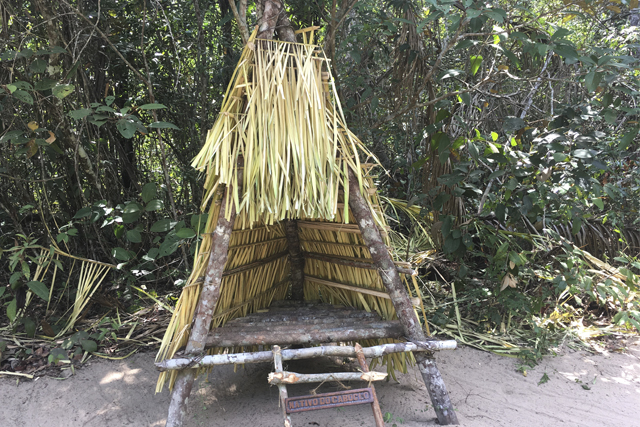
(92, 274)
(280, 116)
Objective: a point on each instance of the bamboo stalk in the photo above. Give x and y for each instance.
(414, 301)
(355, 262)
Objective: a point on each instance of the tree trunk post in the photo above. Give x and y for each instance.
(207, 300)
(296, 259)
(401, 302)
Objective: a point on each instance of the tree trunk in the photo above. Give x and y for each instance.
(401, 302)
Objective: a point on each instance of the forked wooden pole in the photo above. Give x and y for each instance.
(401, 302)
(277, 361)
(209, 296)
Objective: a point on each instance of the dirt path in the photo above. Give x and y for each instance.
(486, 391)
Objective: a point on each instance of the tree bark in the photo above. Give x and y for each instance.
(274, 21)
(401, 302)
(296, 260)
(208, 298)
(296, 334)
(302, 353)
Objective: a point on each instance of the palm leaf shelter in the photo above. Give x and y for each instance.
(295, 251)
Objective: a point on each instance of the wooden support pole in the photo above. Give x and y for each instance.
(277, 361)
(401, 302)
(209, 295)
(296, 260)
(302, 353)
(285, 377)
(375, 405)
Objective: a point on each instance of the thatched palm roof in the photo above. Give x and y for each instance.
(281, 146)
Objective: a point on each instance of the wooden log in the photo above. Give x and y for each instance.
(295, 378)
(303, 353)
(414, 301)
(302, 322)
(209, 295)
(375, 405)
(296, 260)
(224, 337)
(282, 388)
(355, 262)
(401, 302)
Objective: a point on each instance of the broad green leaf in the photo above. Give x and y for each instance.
(134, 236)
(131, 217)
(151, 107)
(185, 233)
(62, 91)
(109, 100)
(598, 202)
(126, 128)
(153, 253)
(121, 254)
(44, 84)
(80, 114)
(38, 66)
(466, 99)
(497, 15)
(162, 226)
(512, 124)
(89, 346)
(12, 309)
(476, 61)
(581, 153)
(628, 138)
(163, 125)
(567, 52)
(149, 191)
(82, 213)
(14, 277)
(494, 136)
(560, 34)
(23, 96)
(132, 207)
(23, 85)
(154, 205)
(592, 80)
(118, 230)
(168, 247)
(39, 289)
(451, 245)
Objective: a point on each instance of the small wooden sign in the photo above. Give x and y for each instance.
(328, 400)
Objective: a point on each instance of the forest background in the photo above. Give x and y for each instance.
(508, 133)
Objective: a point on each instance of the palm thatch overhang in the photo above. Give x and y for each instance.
(282, 149)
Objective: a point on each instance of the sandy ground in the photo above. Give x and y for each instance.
(486, 390)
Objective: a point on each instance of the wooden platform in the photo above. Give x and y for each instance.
(293, 322)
